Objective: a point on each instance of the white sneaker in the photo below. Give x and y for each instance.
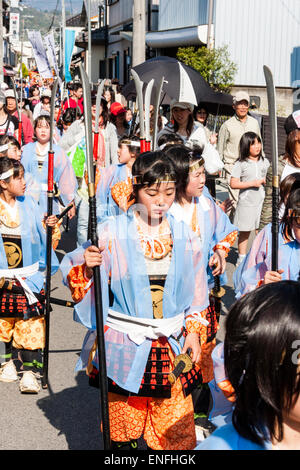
(29, 383)
(8, 372)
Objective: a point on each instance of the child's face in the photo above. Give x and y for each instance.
(196, 183)
(16, 186)
(14, 152)
(124, 154)
(42, 132)
(255, 149)
(156, 199)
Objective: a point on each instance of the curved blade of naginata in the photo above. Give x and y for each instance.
(139, 91)
(147, 109)
(156, 111)
(98, 104)
(87, 105)
(273, 118)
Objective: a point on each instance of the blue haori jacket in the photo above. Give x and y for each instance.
(124, 263)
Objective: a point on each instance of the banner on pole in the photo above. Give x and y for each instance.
(40, 54)
(69, 46)
(50, 45)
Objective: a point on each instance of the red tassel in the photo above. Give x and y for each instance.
(95, 149)
(50, 170)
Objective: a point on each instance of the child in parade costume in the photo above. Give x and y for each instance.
(195, 206)
(10, 147)
(35, 161)
(115, 189)
(261, 361)
(256, 268)
(249, 176)
(160, 299)
(22, 266)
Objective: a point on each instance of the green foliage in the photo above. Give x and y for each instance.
(214, 65)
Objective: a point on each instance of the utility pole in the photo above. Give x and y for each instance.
(209, 43)
(63, 40)
(89, 67)
(139, 33)
(1, 42)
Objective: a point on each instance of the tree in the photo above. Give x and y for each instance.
(214, 65)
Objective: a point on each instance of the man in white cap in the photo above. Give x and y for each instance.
(11, 106)
(230, 135)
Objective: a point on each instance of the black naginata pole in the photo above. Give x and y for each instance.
(275, 178)
(50, 195)
(96, 270)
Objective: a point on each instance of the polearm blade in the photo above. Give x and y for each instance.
(50, 195)
(18, 112)
(96, 128)
(275, 178)
(156, 112)
(96, 270)
(147, 114)
(139, 91)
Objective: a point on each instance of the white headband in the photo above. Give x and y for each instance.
(3, 147)
(7, 174)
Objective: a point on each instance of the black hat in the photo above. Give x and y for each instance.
(292, 122)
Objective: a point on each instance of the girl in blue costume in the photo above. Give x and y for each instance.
(157, 276)
(261, 352)
(22, 265)
(256, 268)
(35, 161)
(196, 208)
(115, 187)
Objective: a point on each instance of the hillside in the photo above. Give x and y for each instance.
(42, 20)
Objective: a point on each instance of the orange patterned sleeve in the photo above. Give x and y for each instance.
(121, 193)
(227, 243)
(195, 326)
(227, 389)
(78, 282)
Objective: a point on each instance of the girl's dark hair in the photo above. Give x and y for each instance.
(247, 139)
(7, 139)
(262, 331)
(196, 110)
(292, 205)
(43, 117)
(169, 139)
(288, 184)
(132, 148)
(182, 157)
(290, 147)
(32, 88)
(189, 126)
(105, 112)
(151, 166)
(69, 116)
(112, 93)
(8, 163)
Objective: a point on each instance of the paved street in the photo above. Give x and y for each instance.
(66, 415)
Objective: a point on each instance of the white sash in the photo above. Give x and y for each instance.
(140, 329)
(19, 274)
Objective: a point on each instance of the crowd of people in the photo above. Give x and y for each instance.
(163, 243)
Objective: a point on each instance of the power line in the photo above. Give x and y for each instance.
(53, 18)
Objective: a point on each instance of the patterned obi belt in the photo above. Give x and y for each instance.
(159, 364)
(16, 298)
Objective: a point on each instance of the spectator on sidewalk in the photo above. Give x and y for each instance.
(230, 135)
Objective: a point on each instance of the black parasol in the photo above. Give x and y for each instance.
(180, 82)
